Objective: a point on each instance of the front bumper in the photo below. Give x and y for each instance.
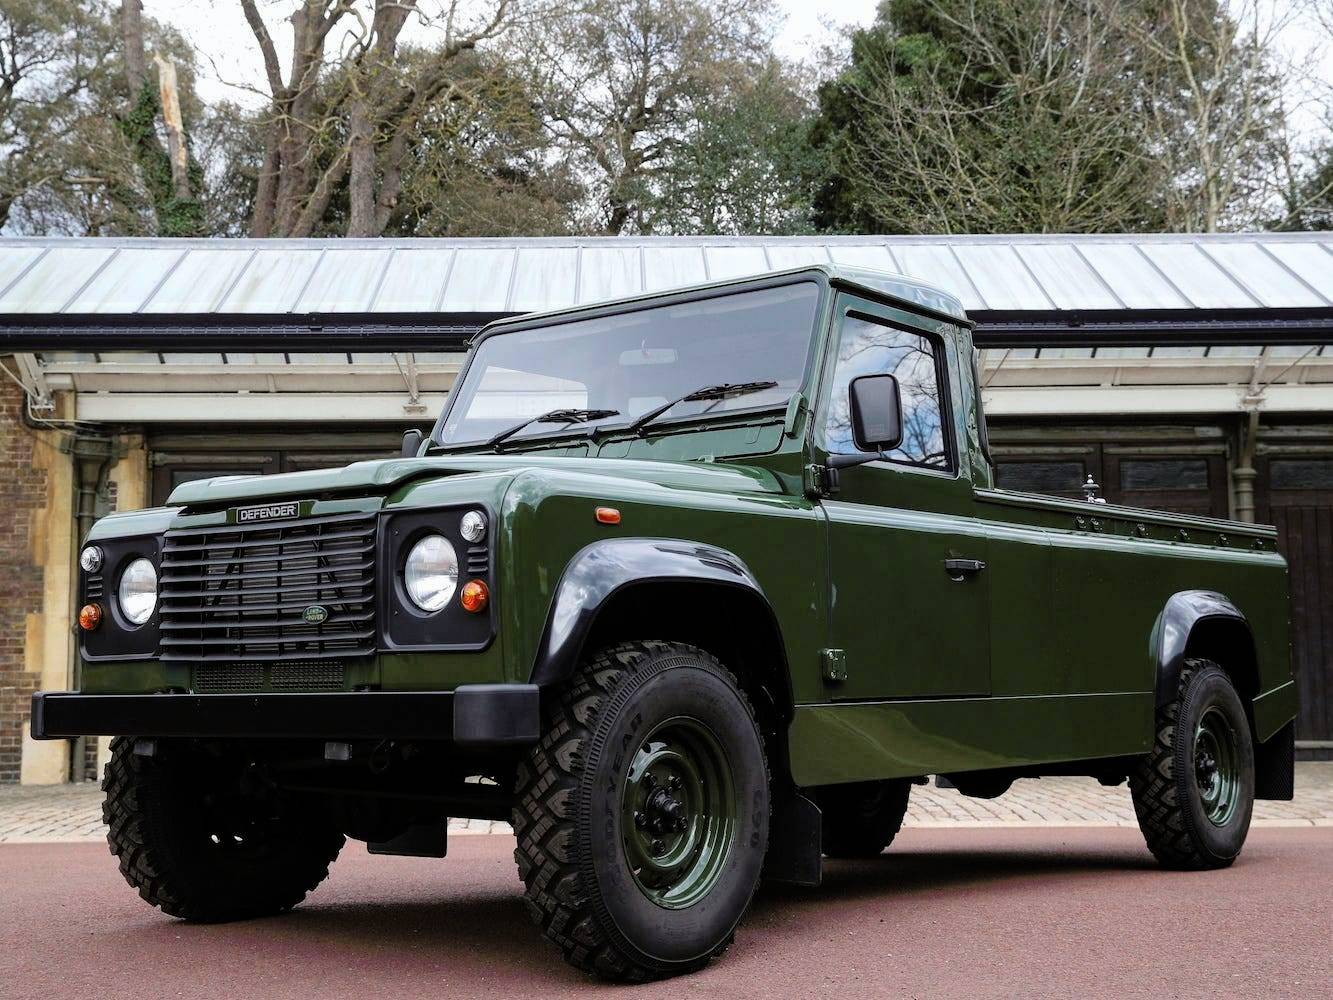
(474, 715)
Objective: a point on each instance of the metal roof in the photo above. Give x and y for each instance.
(1042, 274)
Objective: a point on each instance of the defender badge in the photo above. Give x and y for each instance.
(316, 614)
(267, 512)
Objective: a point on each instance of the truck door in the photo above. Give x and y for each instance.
(908, 587)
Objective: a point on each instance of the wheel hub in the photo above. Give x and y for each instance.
(1217, 766)
(679, 813)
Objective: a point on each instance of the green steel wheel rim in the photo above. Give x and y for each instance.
(679, 813)
(1217, 766)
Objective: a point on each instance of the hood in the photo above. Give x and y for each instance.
(382, 477)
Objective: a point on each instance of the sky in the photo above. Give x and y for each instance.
(230, 61)
(220, 34)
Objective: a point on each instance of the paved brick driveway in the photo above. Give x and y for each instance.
(73, 812)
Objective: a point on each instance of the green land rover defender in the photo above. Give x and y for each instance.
(691, 588)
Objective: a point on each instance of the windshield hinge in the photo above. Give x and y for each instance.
(820, 481)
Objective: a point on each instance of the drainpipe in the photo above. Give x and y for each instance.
(1243, 475)
(92, 454)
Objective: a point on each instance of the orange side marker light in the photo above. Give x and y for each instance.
(90, 616)
(474, 596)
(607, 515)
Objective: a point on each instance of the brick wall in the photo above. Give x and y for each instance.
(22, 491)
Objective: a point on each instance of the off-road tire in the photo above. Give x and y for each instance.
(859, 820)
(1166, 786)
(568, 812)
(159, 829)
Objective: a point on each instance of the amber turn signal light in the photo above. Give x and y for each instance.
(90, 616)
(474, 596)
(607, 515)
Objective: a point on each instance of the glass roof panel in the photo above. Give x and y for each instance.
(781, 257)
(1310, 261)
(272, 282)
(54, 279)
(344, 281)
(1001, 277)
(1274, 284)
(735, 261)
(126, 282)
(13, 259)
(545, 279)
(1065, 276)
(872, 255)
(479, 280)
(934, 263)
(414, 280)
(672, 267)
(609, 273)
(1198, 277)
(1129, 274)
(198, 282)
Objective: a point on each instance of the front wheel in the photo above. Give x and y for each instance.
(201, 838)
(1194, 792)
(642, 814)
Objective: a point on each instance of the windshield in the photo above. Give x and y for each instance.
(635, 361)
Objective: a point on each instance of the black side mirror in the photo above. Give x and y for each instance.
(411, 443)
(876, 412)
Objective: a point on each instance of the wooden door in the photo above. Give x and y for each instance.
(1297, 496)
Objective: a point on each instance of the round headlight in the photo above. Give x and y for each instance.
(431, 573)
(138, 591)
(473, 526)
(91, 558)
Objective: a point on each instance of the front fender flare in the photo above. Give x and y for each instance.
(1171, 634)
(600, 569)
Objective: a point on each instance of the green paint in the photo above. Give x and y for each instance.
(1047, 655)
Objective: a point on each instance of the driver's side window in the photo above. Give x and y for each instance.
(866, 347)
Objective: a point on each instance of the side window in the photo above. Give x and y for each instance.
(869, 348)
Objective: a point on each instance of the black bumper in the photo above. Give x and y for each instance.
(493, 715)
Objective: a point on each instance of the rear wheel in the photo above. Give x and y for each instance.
(201, 838)
(1194, 792)
(862, 818)
(642, 814)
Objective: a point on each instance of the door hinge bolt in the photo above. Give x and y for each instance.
(833, 665)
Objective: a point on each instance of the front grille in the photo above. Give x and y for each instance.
(237, 594)
(321, 675)
(227, 678)
(230, 678)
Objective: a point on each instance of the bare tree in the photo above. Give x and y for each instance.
(972, 115)
(53, 59)
(1215, 101)
(345, 111)
(619, 81)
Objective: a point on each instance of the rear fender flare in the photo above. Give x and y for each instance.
(1176, 623)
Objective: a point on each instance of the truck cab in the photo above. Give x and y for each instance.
(689, 587)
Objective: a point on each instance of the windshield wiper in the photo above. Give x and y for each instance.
(726, 390)
(552, 417)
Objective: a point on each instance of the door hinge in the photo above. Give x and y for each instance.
(820, 481)
(833, 665)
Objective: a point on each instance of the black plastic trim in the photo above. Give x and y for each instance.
(1171, 633)
(116, 638)
(405, 628)
(1150, 327)
(603, 568)
(471, 715)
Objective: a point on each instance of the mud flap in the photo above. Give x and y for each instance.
(795, 848)
(420, 840)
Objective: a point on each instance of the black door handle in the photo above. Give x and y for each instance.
(958, 568)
